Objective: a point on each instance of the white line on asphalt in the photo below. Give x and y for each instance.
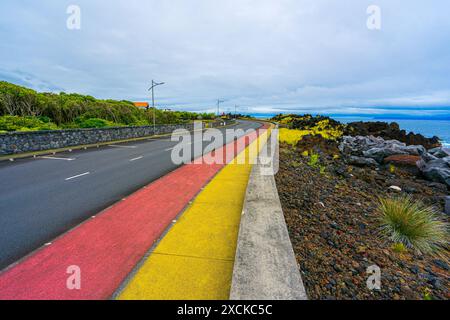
(138, 158)
(187, 144)
(55, 158)
(77, 176)
(117, 146)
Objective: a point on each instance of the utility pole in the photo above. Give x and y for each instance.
(154, 84)
(235, 107)
(218, 103)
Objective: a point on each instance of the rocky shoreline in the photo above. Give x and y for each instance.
(330, 190)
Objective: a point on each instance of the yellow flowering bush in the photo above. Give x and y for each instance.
(323, 128)
(292, 136)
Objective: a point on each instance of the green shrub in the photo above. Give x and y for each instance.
(83, 122)
(413, 224)
(64, 108)
(313, 160)
(16, 123)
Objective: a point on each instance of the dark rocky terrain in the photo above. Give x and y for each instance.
(390, 131)
(330, 207)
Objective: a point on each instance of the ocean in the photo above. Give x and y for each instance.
(428, 128)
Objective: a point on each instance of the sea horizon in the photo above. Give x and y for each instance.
(427, 126)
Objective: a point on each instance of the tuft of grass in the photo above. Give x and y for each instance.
(399, 248)
(427, 294)
(413, 224)
(322, 169)
(391, 168)
(313, 160)
(295, 164)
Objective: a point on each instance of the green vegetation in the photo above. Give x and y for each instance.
(294, 127)
(413, 224)
(25, 109)
(313, 160)
(427, 294)
(309, 122)
(15, 123)
(399, 248)
(391, 168)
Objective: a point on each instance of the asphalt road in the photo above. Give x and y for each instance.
(44, 197)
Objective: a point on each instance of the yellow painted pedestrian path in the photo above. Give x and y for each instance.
(195, 259)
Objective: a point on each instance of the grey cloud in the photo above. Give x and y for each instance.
(269, 56)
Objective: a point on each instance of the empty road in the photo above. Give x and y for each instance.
(44, 197)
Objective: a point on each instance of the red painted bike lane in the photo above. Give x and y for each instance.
(106, 248)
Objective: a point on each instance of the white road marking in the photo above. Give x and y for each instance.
(77, 176)
(117, 146)
(55, 158)
(138, 158)
(186, 144)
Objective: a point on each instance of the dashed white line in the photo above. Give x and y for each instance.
(56, 158)
(77, 176)
(186, 144)
(117, 146)
(138, 158)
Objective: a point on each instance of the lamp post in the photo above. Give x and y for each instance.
(218, 103)
(154, 84)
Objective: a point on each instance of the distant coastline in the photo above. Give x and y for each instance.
(427, 126)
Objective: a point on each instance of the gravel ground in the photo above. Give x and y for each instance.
(331, 217)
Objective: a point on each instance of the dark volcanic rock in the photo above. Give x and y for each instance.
(403, 160)
(333, 222)
(436, 170)
(407, 162)
(439, 152)
(361, 161)
(318, 144)
(390, 131)
(377, 148)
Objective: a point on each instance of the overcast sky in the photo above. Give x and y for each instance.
(266, 56)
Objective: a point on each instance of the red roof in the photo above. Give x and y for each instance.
(141, 104)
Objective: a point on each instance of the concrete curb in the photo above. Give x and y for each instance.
(265, 266)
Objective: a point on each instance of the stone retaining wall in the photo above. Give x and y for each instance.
(22, 142)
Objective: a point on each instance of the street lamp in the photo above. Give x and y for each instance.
(154, 84)
(218, 103)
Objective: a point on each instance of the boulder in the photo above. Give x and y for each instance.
(405, 161)
(380, 153)
(428, 157)
(402, 160)
(390, 131)
(361, 161)
(436, 170)
(416, 150)
(439, 152)
(377, 148)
